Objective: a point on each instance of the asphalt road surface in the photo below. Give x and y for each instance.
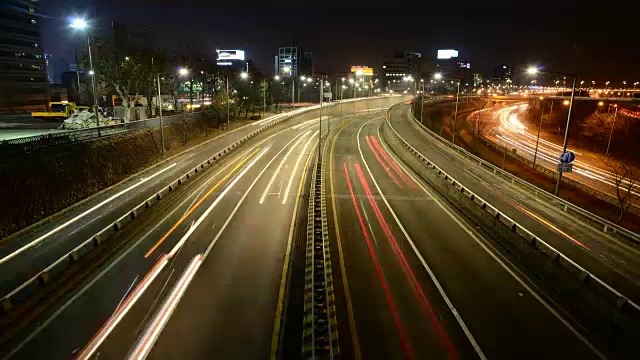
(17, 126)
(614, 261)
(420, 281)
(225, 236)
(202, 275)
(236, 222)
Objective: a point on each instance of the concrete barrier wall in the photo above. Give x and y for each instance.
(572, 286)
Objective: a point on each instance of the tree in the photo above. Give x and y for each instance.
(625, 179)
(126, 77)
(598, 124)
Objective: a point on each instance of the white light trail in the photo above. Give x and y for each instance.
(79, 216)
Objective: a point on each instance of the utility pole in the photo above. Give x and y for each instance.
(228, 100)
(455, 119)
(93, 85)
(422, 105)
(320, 132)
(293, 91)
(535, 154)
(160, 112)
(264, 97)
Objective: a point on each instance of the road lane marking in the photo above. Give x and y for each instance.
(343, 270)
(385, 167)
(121, 311)
(275, 336)
(215, 202)
(197, 204)
(77, 217)
(300, 136)
(383, 282)
(158, 323)
(421, 298)
(119, 314)
(112, 264)
(452, 308)
(366, 217)
(500, 262)
(295, 167)
(402, 175)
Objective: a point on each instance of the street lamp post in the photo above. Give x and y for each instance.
(320, 131)
(455, 118)
(534, 70)
(81, 24)
(612, 127)
(160, 112)
(535, 154)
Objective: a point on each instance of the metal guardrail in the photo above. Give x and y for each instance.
(513, 228)
(565, 179)
(599, 223)
(320, 332)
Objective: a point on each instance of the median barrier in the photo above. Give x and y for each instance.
(578, 288)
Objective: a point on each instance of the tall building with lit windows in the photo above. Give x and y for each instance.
(297, 61)
(399, 66)
(23, 75)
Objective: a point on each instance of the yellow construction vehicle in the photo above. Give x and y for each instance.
(60, 110)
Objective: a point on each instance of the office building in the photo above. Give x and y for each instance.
(294, 61)
(396, 68)
(24, 85)
(502, 73)
(478, 79)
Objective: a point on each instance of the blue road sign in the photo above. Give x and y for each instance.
(567, 157)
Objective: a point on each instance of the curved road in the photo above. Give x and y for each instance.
(420, 277)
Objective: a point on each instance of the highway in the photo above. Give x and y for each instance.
(419, 276)
(237, 222)
(226, 237)
(208, 272)
(615, 261)
(589, 169)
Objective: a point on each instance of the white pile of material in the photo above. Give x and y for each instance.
(86, 119)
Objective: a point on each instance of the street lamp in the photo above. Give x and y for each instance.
(535, 70)
(183, 71)
(277, 77)
(82, 25)
(244, 75)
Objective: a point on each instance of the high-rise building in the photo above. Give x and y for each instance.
(478, 79)
(294, 61)
(23, 75)
(401, 65)
(502, 73)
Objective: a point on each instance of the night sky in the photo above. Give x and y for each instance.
(598, 43)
